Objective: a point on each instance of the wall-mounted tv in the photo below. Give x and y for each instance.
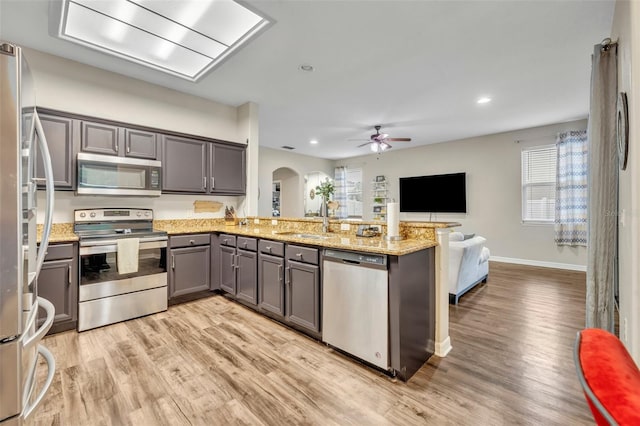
(434, 194)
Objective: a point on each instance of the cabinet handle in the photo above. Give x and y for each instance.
(279, 272)
(232, 261)
(70, 277)
(173, 261)
(299, 255)
(117, 147)
(192, 242)
(204, 182)
(237, 261)
(213, 182)
(128, 149)
(287, 275)
(268, 248)
(244, 245)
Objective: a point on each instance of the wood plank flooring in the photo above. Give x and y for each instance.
(214, 362)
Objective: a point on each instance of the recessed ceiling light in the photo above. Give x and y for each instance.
(484, 100)
(185, 39)
(306, 67)
(313, 142)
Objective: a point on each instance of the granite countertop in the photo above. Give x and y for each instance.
(330, 240)
(63, 232)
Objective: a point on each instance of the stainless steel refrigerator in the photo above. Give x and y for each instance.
(21, 139)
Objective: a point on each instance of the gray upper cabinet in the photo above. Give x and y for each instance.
(228, 169)
(61, 133)
(100, 138)
(110, 139)
(140, 144)
(202, 167)
(184, 165)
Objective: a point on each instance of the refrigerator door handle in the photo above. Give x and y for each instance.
(48, 174)
(51, 369)
(46, 325)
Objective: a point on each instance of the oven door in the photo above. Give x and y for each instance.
(109, 175)
(99, 276)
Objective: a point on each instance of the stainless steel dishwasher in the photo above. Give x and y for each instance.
(355, 305)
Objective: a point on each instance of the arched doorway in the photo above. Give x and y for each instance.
(286, 200)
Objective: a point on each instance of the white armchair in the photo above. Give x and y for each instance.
(468, 264)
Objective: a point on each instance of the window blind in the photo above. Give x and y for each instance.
(539, 183)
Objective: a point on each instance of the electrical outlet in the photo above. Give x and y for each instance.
(378, 228)
(624, 330)
(274, 222)
(256, 221)
(345, 226)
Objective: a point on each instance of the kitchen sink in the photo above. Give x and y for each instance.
(311, 236)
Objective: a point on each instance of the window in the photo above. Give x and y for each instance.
(354, 193)
(539, 184)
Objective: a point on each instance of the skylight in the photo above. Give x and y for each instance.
(185, 38)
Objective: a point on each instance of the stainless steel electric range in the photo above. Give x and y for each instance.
(110, 292)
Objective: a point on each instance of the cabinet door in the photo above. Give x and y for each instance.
(228, 170)
(184, 165)
(140, 144)
(57, 283)
(189, 270)
(60, 133)
(247, 276)
(227, 269)
(100, 138)
(271, 284)
(303, 295)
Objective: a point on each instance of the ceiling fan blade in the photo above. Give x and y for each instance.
(359, 140)
(399, 139)
(364, 144)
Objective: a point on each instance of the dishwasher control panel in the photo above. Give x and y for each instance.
(351, 257)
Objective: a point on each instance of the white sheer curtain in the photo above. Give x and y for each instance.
(571, 188)
(603, 190)
(340, 194)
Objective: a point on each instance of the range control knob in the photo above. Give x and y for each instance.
(147, 214)
(139, 214)
(83, 214)
(93, 214)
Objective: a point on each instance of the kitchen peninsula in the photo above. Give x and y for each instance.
(235, 260)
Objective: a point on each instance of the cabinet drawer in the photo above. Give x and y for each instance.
(59, 251)
(190, 240)
(245, 243)
(227, 240)
(271, 247)
(302, 254)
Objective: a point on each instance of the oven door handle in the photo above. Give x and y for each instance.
(112, 247)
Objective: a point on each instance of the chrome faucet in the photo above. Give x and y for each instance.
(325, 223)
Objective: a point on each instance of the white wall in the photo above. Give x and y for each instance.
(629, 237)
(273, 159)
(492, 165)
(69, 86)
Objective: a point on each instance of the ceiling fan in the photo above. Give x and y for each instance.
(380, 141)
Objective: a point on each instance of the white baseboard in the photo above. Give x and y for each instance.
(567, 266)
(444, 347)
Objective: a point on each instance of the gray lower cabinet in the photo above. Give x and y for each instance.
(271, 292)
(302, 279)
(61, 132)
(238, 267)
(58, 283)
(189, 257)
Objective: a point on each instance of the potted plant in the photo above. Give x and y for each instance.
(325, 190)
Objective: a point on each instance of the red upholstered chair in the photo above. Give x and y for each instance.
(609, 377)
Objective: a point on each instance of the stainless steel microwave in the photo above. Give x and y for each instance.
(110, 175)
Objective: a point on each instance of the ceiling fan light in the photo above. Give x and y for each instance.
(384, 146)
(375, 147)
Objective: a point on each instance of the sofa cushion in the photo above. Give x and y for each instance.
(485, 254)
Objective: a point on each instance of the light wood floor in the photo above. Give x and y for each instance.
(213, 362)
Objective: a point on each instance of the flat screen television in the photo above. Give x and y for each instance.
(434, 194)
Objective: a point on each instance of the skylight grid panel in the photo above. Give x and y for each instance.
(223, 20)
(93, 29)
(136, 16)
